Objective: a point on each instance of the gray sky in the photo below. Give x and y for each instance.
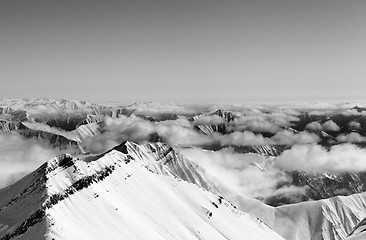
(183, 51)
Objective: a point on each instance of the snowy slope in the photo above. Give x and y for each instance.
(157, 193)
(131, 192)
(327, 219)
(21, 204)
(358, 232)
(358, 236)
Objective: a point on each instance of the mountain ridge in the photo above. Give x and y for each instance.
(69, 180)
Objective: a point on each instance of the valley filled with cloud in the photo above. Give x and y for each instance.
(257, 148)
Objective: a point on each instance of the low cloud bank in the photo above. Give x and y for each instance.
(209, 120)
(242, 138)
(295, 109)
(316, 159)
(181, 132)
(314, 126)
(20, 156)
(330, 126)
(355, 125)
(239, 173)
(286, 137)
(156, 109)
(252, 125)
(352, 137)
(255, 176)
(326, 126)
(261, 123)
(133, 128)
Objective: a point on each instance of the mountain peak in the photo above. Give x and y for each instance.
(132, 185)
(121, 147)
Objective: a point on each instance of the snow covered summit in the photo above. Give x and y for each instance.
(130, 192)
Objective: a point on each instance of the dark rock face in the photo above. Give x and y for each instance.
(358, 229)
(321, 186)
(25, 206)
(79, 185)
(343, 121)
(58, 141)
(121, 148)
(222, 128)
(359, 109)
(34, 219)
(66, 162)
(329, 185)
(265, 150)
(13, 115)
(8, 126)
(67, 123)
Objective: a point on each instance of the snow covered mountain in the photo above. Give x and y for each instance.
(157, 193)
(155, 186)
(130, 192)
(222, 127)
(327, 219)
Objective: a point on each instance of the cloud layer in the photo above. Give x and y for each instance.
(240, 174)
(181, 132)
(352, 137)
(253, 125)
(19, 156)
(316, 159)
(328, 126)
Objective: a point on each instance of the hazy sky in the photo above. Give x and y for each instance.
(183, 51)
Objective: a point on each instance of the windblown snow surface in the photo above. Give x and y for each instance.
(130, 192)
